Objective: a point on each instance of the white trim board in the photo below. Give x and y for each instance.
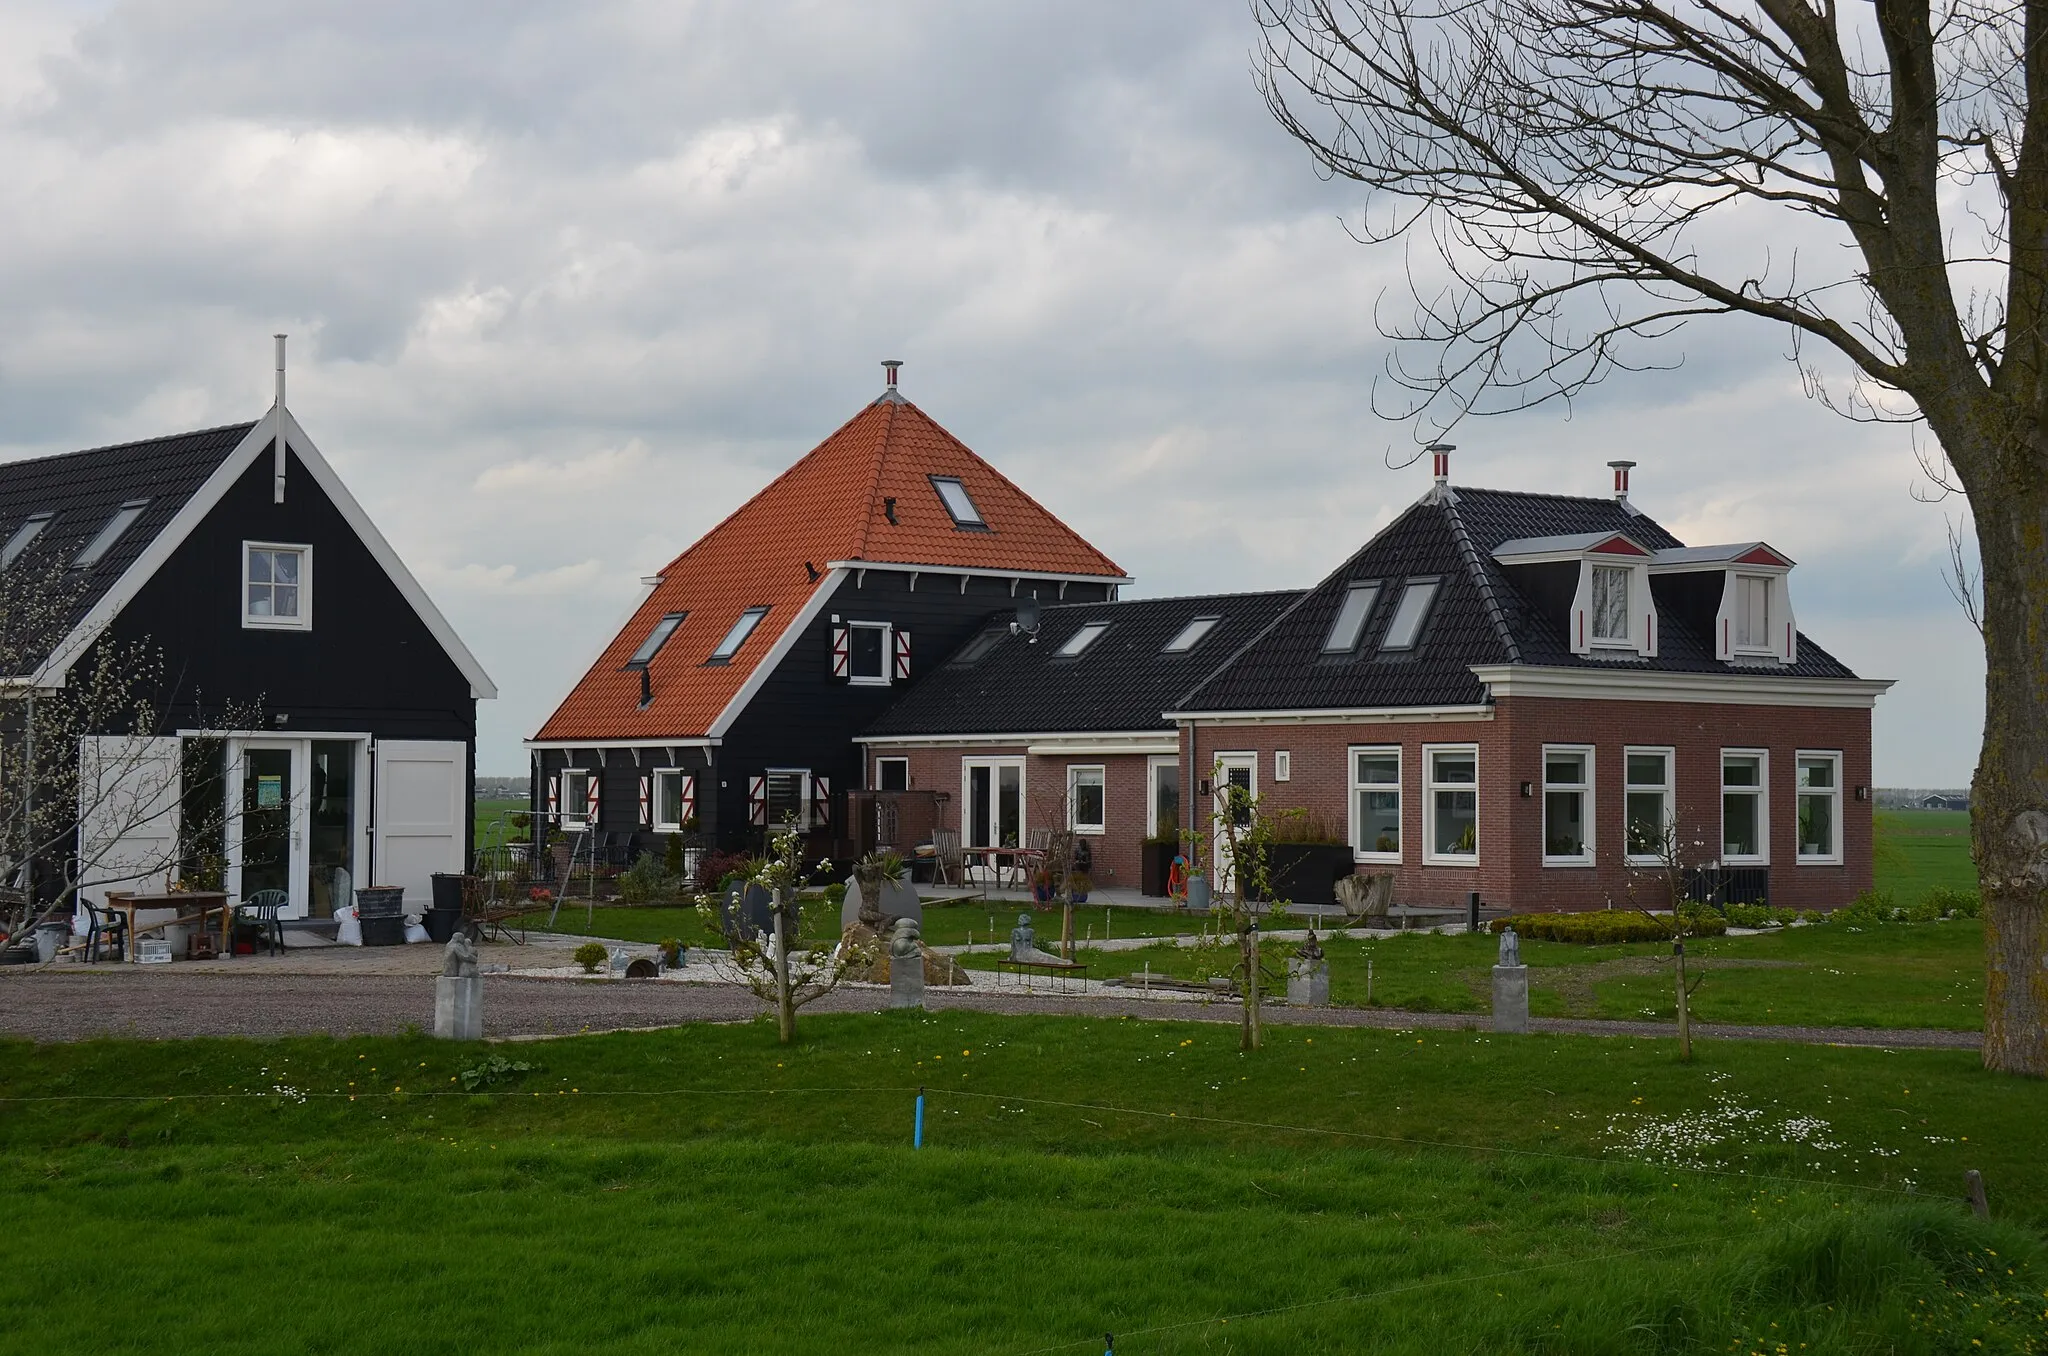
(821, 594)
(1730, 689)
(980, 572)
(1339, 715)
(678, 742)
(1154, 741)
(278, 422)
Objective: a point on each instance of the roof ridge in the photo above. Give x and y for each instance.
(1494, 612)
(241, 425)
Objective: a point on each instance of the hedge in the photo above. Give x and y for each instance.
(1601, 926)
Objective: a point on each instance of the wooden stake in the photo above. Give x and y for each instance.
(1975, 1180)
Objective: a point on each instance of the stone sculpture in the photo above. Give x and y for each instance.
(1510, 948)
(906, 965)
(1510, 986)
(459, 992)
(458, 958)
(1024, 944)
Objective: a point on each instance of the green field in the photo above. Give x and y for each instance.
(705, 1189)
(1917, 850)
(488, 811)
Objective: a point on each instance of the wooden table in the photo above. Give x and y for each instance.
(189, 905)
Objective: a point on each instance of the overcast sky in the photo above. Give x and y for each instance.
(566, 283)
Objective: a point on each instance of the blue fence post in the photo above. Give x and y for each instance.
(917, 1130)
(1109, 1344)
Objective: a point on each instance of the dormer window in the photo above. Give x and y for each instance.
(1610, 612)
(959, 506)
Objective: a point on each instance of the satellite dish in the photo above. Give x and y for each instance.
(1027, 617)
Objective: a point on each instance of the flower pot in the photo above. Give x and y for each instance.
(1198, 893)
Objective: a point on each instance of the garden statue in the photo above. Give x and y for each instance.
(1310, 949)
(1024, 944)
(1510, 986)
(906, 965)
(458, 959)
(903, 941)
(1510, 948)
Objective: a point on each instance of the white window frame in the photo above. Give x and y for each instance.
(1358, 788)
(578, 819)
(888, 631)
(1430, 787)
(659, 824)
(1584, 788)
(1152, 766)
(1833, 857)
(1669, 791)
(1626, 639)
(302, 622)
(1283, 765)
(1762, 793)
(1074, 770)
(1735, 642)
(892, 758)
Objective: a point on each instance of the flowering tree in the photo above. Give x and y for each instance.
(779, 967)
(1245, 839)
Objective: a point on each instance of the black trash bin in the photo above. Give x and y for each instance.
(381, 910)
(446, 916)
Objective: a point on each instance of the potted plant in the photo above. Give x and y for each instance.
(1307, 856)
(1077, 885)
(1042, 885)
(671, 951)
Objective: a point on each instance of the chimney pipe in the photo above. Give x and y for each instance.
(890, 365)
(277, 421)
(1621, 470)
(1441, 452)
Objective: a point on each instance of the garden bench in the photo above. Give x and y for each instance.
(1059, 968)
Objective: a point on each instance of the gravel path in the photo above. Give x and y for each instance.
(59, 1006)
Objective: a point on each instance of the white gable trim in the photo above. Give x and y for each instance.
(203, 501)
(1729, 689)
(784, 643)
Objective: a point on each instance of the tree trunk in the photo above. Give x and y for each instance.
(785, 1008)
(1067, 929)
(1248, 960)
(1684, 1017)
(2009, 799)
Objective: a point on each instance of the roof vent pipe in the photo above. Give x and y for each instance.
(889, 365)
(277, 411)
(1621, 470)
(1441, 452)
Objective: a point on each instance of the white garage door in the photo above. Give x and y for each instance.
(127, 813)
(422, 797)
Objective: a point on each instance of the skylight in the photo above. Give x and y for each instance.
(124, 518)
(1082, 639)
(1410, 614)
(657, 638)
(1351, 615)
(1191, 635)
(972, 652)
(23, 535)
(954, 496)
(737, 637)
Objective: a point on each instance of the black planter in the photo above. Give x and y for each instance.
(1155, 867)
(448, 887)
(384, 931)
(1307, 873)
(380, 901)
(441, 923)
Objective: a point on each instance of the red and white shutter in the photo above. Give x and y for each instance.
(689, 799)
(646, 802)
(821, 802)
(554, 798)
(842, 652)
(590, 800)
(757, 801)
(903, 656)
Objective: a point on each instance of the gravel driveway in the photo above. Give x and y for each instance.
(56, 1005)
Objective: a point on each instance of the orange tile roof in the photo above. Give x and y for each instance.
(831, 505)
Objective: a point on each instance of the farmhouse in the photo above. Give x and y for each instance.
(238, 555)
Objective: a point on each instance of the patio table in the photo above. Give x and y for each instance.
(189, 905)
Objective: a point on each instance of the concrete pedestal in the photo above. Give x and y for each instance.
(906, 982)
(1308, 983)
(1511, 998)
(459, 1007)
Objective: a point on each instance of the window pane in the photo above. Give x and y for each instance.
(1087, 784)
(1191, 635)
(285, 567)
(1564, 769)
(1738, 824)
(1644, 813)
(1082, 639)
(1816, 826)
(656, 638)
(1409, 616)
(668, 798)
(785, 799)
(111, 533)
(1646, 769)
(741, 629)
(23, 535)
(1454, 767)
(1457, 823)
(284, 600)
(894, 774)
(958, 504)
(259, 567)
(1379, 767)
(259, 600)
(1816, 772)
(1166, 798)
(1564, 824)
(1742, 770)
(1379, 821)
(1351, 615)
(867, 652)
(1752, 611)
(1610, 603)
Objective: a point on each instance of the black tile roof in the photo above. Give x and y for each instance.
(1479, 615)
(1123, 681)
(84, 489)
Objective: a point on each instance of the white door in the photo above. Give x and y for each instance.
(267, 795)
(1232, 769)
(128, 789)
(992, 805)
(422, 796)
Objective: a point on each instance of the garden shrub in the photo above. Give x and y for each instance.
(647, 879)
(590, 955)
(1879, 906)
(1604, 926)
(716, 869)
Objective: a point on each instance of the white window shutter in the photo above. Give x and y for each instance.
(590, 795)
(903, 656)
(821, 802)
(757, 801)
(554, 797)
(646, 801)
(842, 651)
(689, 799)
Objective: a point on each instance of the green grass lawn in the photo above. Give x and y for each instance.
(1917, 850)
(705, 1189)
(487, 811)
(944, 924)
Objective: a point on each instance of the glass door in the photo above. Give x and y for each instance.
(331, 821)
(994, 816)
(268, 806)
(1239, 770)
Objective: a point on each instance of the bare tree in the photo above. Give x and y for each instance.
(1675, 860)
(779, 968)
(1589, 172)
(1245, 838)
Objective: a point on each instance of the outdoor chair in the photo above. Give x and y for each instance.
(263, 907)
(104, 925)
(951, 866)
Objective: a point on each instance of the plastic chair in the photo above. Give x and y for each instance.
(263, 906)
(104, 923)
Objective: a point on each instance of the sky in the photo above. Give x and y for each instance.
(566, 283)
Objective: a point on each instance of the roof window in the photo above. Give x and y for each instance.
(30, 528)
(973, 650)
(1410, 614)
(737, 637)
(1082, 639)
(124, 518)
(657, 638)
(1191, 635)
(954, 496)
(1351, 615)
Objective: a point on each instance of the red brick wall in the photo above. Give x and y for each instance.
(1116, 849)
(1510, 871)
